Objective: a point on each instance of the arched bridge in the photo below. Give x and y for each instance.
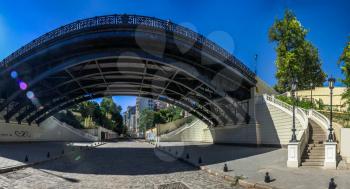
(124, 55)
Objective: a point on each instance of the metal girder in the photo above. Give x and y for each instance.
(154, 96)
(143, 75)
(153, 78)
(26, 102)
(166, 79)
(76, 81)
(103, 77)
(169, 81)
(95, 87)
(209, 68)
(21, 116)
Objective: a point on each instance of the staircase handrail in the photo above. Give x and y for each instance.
(322, 119)
(300, 114)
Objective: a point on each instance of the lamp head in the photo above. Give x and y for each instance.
(294, 84)
(331, 82)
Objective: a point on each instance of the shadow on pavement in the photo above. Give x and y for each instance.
(130, 159)
(117, 161)
(207, 154)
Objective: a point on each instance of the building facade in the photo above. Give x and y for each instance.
(130, 121)
(323, 94)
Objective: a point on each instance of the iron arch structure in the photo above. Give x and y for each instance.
(125, 55)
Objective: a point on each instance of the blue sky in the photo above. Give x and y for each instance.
(240, 26)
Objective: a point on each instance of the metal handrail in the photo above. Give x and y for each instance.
(132, 20)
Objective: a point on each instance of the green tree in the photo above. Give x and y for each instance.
(146, 119)
(344, 62)
(112, 112)
(296, 57)
(108, 106)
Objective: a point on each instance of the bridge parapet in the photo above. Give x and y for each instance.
(136, 20)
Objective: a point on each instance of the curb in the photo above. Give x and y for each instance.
(241, 182)
(18, 167)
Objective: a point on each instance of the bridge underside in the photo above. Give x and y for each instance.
(124, 60)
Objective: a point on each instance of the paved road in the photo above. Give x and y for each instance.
(113, 165)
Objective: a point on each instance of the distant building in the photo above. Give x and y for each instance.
(159, 105)
(130, 120)
(149, 104)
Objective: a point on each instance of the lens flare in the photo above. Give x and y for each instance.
(30, 95)
(23, 85)
(14, 74)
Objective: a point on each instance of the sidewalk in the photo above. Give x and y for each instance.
(252, 163)
(13, 155)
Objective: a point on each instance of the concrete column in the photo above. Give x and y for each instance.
(330, 158)
(293, 155)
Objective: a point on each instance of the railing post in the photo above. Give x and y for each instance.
(330, 156)
(294, 158)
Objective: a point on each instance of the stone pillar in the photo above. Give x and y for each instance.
(330, 158)
(293, 154)
(252, 105)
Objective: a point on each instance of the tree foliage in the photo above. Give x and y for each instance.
(296, 57)
(107, 114)
(148, 118)
(344, 62)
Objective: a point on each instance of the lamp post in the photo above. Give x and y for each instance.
(311, 86)
(331, 82)
(293, 89)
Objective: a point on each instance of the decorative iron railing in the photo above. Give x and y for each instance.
(124, 19)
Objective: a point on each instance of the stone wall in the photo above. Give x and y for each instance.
(49, 130)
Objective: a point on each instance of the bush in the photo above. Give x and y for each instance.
(69, 118)
(302, 103)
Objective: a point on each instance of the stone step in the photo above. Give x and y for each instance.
(317, 141)
(318, 152)
(316, 137)
(312, 163)
(312, 160)
(315, 147)
(310, 152)
(315, 144)
(314, 155)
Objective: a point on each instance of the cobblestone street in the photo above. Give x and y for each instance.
(113, 165)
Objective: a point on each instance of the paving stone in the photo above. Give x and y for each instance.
(124, 165)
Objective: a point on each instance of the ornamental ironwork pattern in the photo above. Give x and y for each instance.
(136, 20)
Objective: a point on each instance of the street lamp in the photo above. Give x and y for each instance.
(331, 82)
(311, 86)
(293, 89)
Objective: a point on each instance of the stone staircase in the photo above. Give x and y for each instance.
(314, 152)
